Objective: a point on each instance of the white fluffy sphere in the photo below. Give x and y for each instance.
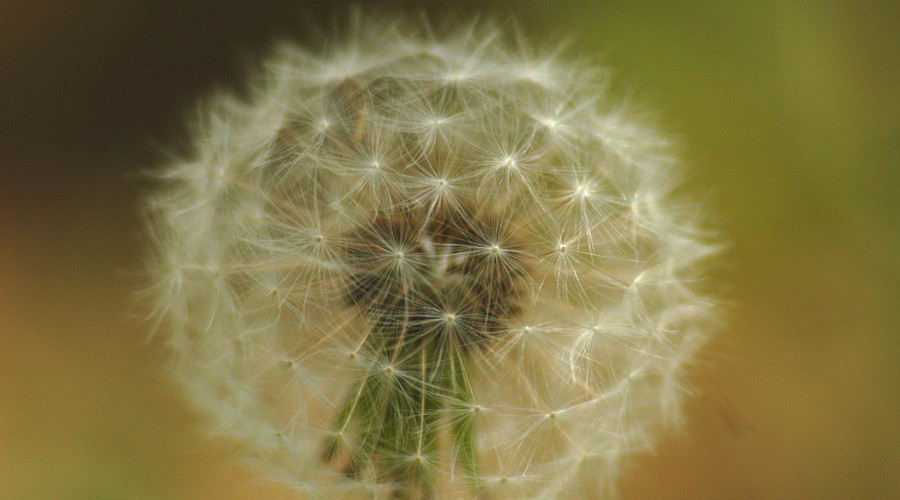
(429, 266)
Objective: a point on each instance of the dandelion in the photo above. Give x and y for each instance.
(422, 265)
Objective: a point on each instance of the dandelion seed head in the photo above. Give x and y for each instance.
(427, 264)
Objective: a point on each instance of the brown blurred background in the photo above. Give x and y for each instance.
(790, 116)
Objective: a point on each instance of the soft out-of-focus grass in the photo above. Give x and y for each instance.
(790, 116)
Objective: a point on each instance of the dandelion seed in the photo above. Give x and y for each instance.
(432, 266)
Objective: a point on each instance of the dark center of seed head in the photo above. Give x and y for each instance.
(442, 286)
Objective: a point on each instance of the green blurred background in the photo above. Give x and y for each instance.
(789, 113)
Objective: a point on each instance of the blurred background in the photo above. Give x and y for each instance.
(789, 112)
